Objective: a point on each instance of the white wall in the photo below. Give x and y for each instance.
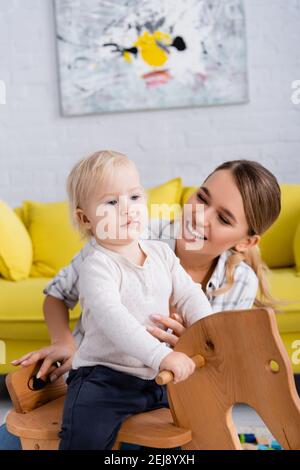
(38, 146)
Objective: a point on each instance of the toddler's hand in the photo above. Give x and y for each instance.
(178, 363)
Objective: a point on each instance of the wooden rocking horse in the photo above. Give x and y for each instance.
(240, 358)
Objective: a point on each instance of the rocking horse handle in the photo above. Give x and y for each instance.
(165, 376)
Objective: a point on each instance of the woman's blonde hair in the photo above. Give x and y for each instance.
(261, 197)
(85, 176)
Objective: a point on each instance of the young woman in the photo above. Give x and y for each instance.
(241, 201)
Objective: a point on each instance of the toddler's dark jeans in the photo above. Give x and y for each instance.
(98, 400)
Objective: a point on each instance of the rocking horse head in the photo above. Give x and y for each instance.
(245, 362)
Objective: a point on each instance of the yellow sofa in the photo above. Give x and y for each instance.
(54, 242)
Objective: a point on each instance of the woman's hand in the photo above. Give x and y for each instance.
(174, 322)
(60, 351)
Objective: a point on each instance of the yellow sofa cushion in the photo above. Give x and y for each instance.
(297, 249)
(187, 192)
(164, 200)
(54, 239)
(19, 212)
(277, 243)
(285, 286)
(15, 246)
(21, 313)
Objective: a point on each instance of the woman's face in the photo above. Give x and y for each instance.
(223, 224)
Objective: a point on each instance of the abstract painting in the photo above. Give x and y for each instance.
(123, 55)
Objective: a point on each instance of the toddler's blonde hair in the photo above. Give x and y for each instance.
(84, 177)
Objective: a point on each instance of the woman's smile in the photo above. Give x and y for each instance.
(195, 233)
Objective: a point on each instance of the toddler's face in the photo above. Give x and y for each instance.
(117, 210)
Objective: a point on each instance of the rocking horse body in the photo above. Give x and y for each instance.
(234, 352)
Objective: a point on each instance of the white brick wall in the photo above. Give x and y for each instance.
(38, 146)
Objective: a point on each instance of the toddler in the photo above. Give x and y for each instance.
(122, 282)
